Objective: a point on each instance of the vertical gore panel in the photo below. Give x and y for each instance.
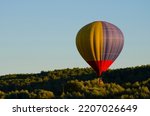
(97, 38)
(90, 41)
(113, 41)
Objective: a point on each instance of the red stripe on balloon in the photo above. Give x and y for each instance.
(100, 65)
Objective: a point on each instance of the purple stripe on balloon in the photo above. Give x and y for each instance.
(113, 41)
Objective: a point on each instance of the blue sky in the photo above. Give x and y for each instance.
(38, 35)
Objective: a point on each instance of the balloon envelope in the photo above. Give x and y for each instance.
(99, 43)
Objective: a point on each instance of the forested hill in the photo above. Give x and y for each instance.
(133, 82)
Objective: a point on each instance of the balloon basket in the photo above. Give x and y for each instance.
(100, 82)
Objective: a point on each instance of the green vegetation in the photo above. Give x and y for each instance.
(81, 83)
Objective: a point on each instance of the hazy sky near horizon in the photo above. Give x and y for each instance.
(38, 35)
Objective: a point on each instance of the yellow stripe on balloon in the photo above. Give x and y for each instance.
(90, 41)
(98, 40)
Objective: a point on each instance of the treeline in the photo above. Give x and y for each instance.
(133, 82)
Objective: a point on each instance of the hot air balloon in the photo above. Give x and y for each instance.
(99, 43)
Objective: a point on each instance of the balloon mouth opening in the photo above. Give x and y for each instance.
(100, 66)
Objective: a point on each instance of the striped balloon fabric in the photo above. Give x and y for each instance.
(99, 43)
